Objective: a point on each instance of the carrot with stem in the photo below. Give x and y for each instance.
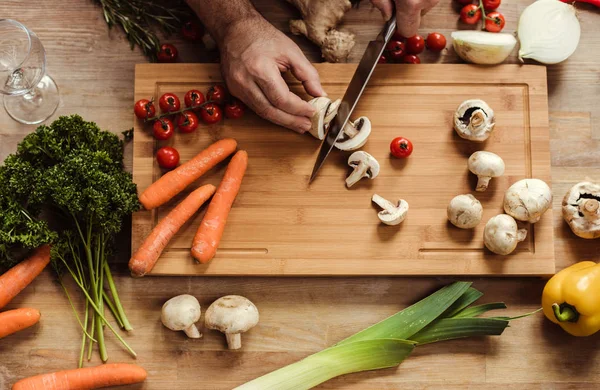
(12, 321)
(208, 236)
(173, 182)
(106, 375)
(144, 259)
(13, 281)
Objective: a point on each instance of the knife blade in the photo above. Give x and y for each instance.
(355, 89)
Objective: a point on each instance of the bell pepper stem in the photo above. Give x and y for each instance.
(565, 312)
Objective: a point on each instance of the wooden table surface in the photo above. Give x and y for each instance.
(94, 69)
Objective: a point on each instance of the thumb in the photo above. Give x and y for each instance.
(306, 73)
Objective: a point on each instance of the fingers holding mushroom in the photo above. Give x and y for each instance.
(485, 165)
(181, 313)
(465, 211)
(363, 165)
(581, 209)
(527, 199)
(232, 315)
(474, 120)
(391, 214)
(501, 234)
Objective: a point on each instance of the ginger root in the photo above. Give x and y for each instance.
(319, 19)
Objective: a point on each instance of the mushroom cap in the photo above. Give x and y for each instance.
(363, 126)
(391, 214)
(527, 199)
(318, 122)
(474, 120)
(231, 314)
(356, 157)
(486, 164)
(179, 312)
(501, 234)
(580, 209)
(465, 211)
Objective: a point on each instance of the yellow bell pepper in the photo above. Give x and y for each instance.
(572, 299)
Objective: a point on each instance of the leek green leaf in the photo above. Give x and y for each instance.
(476, 311)
(470, 296)
(454, 328)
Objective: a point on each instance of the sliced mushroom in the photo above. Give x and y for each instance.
(581, 209)
(501, 234)
(465, 211)
(364, 165)
(319, 120)
(527, 200)
(392, 214)
(355, 134)
(485, 165)
(474, 120)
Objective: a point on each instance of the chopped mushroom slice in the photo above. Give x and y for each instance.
(527, 200)
(364, 165)
(181, 313)
(392, 214)
(485, 165)
(465, 211)
(581, 209)
(501, 234)
(232, 315)
(355, 134)
(474, 120)
(321, 117)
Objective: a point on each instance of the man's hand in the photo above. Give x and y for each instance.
(408, 13)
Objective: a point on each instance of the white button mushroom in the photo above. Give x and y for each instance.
(319, 122)
(474, 120)
(364, 165)
(501, 234)
(465, 211)
(232, 315)
(181, 313)
(392, 214)
(581, 209)
(527, 200)
(355, 134)
(485, 165)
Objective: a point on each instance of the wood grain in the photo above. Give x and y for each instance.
(94, 69)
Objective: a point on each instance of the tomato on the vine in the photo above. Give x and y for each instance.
(211, 113)
(217, 94)
(234, 109)
(144, 109)
(395, 49)
(490, 5)
(163, 129)
(464, 2)
(382, 59)
(169, 102)
(167, 157)
(415, 44)
(401, 147)
(436, 42)
(187, 122)
(411, 59)
(494, 22)
(192, 31)
(167, 53)
(470, 14)
(193, 98)
(397, 36)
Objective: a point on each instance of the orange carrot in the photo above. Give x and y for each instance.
(106, 375)
(12, 321)
(18, 277)
(144, 259)
(211, 228)
(172, 183)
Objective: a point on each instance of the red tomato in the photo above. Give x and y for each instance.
(470, 14)
(234, 109)
(211, 113)
(411, 59)
(494, 22)
(163, 129)
(401, 147)
(167, 157)
(382, 59)
(169, 102)
(193, 98)
(395, 49)
(397, 36)
(167, 53)
(217, 93)
(144, 109)
(415, 44)
(464, 2)
(192, 31)
(187, 122)
(436, 42)
(490, 5)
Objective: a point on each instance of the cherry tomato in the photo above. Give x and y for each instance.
(415, 44)
(411, 59)
(470, 14)
(163, 129)
(192, 31)
(217, 93)
(167, 53)
(396, 49)
(490, 5)
(382, 59)
(193, 98)
(167, 157)
(464, 2)
(187, 122)
(436, 42)
(494, 22)
(234, 109)
(211, 113)
(144, 109)
(169, 102)
(401, 147)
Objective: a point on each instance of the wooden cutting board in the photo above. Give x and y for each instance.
(280, 225)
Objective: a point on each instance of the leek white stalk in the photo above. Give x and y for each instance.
(485, 48)
(549, 31)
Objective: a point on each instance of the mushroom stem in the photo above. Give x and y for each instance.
(352, 129)
(589, 209)
(482, 183)
(382, 202)
(521, 235)
(478, 118)
(192, 332)
(357, 174)
(234, 340)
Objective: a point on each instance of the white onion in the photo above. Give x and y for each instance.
(549, 31)
(481, 47)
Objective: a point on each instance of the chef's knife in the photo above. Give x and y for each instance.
(356, 87)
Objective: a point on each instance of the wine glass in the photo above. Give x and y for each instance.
(31, 96)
